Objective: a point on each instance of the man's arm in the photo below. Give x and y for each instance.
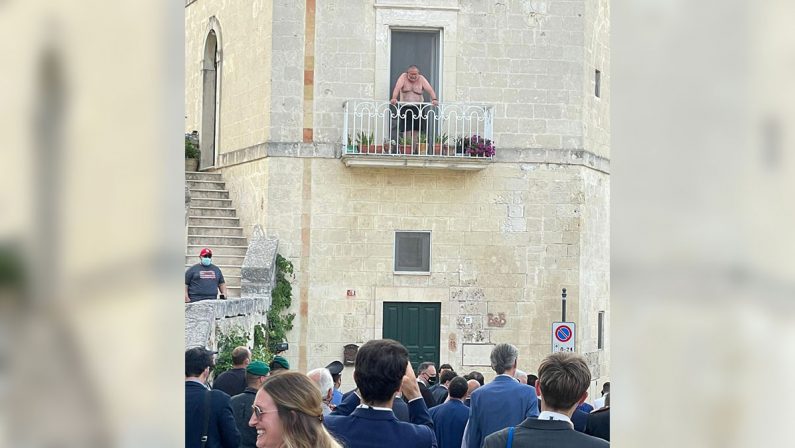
(532, 410)
(473, 427)
(188, 275)
(418, 412)
(396, 90)
(222, 287)
(427, 86)
(348, 405)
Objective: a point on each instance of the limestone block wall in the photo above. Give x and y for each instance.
(595, 273)
(248, 188)
(596, 111)
(525, 57)
(245, 66)
(504, 242)
(286, 70)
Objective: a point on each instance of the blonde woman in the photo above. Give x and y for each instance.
(287, 413)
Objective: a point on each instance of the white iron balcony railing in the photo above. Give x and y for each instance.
(418, 129)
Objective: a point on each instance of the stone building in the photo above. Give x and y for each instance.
(449, 253)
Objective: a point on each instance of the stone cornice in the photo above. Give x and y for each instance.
(580, 157)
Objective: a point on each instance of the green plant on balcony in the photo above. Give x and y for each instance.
(404, 145)
(423, 143)
(365, 142)
(440, 144)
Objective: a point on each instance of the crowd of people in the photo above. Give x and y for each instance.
(255, 404)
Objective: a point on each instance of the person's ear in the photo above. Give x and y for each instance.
(583, 398)
(538, 388)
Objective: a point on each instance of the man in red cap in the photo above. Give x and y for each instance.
(203, 280)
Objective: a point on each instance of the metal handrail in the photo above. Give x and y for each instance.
(417, 129)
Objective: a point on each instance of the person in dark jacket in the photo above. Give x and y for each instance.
(563, 381)
(233, 381)
(598, 424)
(450, 418)
(256, 372)
(440, 391)
(205, 408)
(383, 369)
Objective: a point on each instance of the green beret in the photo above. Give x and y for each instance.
(258, 368)
(281, 361)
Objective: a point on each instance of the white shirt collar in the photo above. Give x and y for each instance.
(364, 406)
(549, 415)
(509, 376)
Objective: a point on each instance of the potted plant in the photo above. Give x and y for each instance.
(365, 142)
(439, 143)
(423, 145)
(192, 153)
(477, 146)
(350, 147)
(404, 145)
(390, 146)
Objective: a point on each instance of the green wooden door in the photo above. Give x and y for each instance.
(416, 326)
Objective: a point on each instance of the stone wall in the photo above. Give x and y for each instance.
(505, 240)
(596, 111)
(244, 38)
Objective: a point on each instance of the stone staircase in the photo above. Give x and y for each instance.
(213, 223)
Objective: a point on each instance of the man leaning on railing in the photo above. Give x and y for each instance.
(410, 86)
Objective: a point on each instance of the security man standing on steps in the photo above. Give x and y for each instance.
(204, 280)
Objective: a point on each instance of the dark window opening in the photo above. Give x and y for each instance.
(412, 252)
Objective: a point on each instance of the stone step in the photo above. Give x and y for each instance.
(206, 185)
(203, 175)
(218, 250)
(201, 202)
(227, 270)
(215, 231)
(213, 211)
(232, 281)
(218, 258)
(209, 194)
(233, 291)
(214, 221)
(214, 241)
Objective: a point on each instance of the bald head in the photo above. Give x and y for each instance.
(471, 386)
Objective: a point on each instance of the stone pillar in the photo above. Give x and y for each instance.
(259, 267)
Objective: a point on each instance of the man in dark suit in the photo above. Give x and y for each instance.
(450, 418)
(352, 400)
(426, 377)
(218, 426)
(502, 403)
(563, 380)
(383, 369)
(440, 391)
(598, 424)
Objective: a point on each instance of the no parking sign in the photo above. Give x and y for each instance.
(562, 337)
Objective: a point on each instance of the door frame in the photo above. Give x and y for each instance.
(439, 55)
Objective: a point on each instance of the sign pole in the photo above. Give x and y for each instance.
(563, 300)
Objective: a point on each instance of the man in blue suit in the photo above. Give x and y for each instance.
(502, 403)
(383, 369)
(450, 418)
(208, 413)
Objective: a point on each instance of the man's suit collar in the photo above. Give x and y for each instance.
(555, 425)
(374, 414)
(504, 378)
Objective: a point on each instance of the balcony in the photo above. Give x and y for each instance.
(454, 136)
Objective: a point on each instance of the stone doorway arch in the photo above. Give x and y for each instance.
(211, 87)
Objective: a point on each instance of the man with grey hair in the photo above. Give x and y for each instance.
(322, 378)
(520, 376)
(502, 403)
